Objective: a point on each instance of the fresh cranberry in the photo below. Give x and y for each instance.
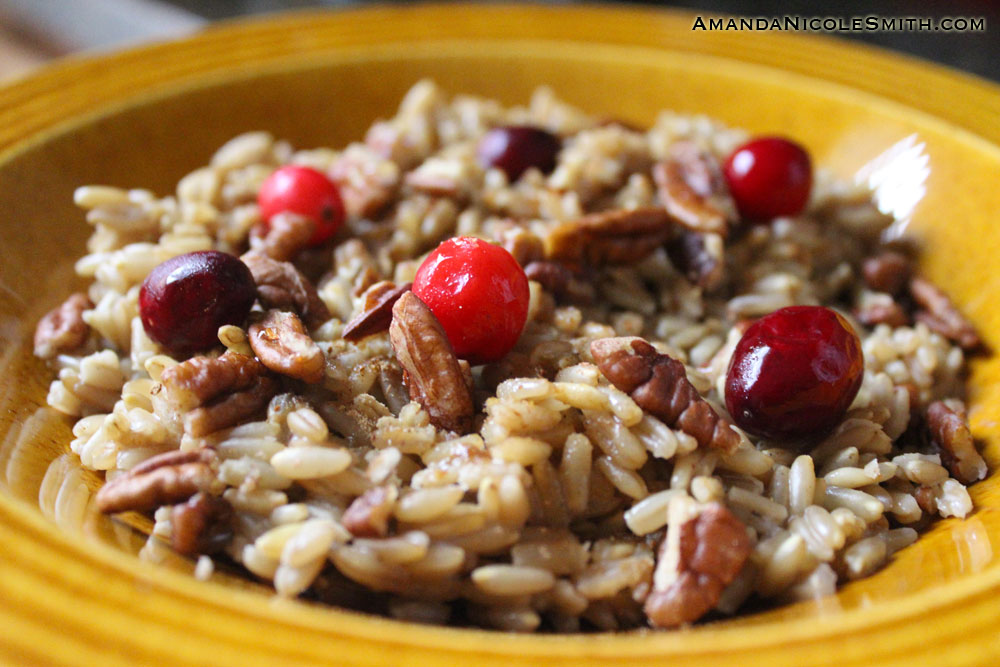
(769, 177)
(307, 192)
(184, 300)
(794, 373)
(479, 294)
(516, 148)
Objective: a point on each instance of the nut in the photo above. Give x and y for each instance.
(887, 272)
(202, 525)
(699, 257)
(282, 344)
(703, 551)
(283, 237)
(693, 191)
(941, 316)
(63, 329)
(873, 312)
(232, 409)
(523, 246)
(375, 318)
(950, 432)
(431, 370)
(609, 237)
(280, 285)
(368, 515)
(367, 181)
(164, 479)
(201, 379)
(659, 385)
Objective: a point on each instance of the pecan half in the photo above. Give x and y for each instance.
(693, 191)
(941, 316)
(703, 551)
(375, 318)
(699, 257)
(232, 409)
(950, 432)
(164, 479)
(200, 379)
(283, 236)
(282, 344)
(431, 370)
(659, 385)
(280, 285)
(202, 525)
(609, 237)
(368, 515)
(887, 272)
(63, 329)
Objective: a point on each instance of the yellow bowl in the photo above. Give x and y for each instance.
(144, 118)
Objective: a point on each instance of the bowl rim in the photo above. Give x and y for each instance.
(100, 85)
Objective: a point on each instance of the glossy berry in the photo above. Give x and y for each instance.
(794, 373)
(769, 177)
(479, 294)
(184, 300)
(516, 148)
(308, 193)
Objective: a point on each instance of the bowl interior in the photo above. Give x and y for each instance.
(152, 137)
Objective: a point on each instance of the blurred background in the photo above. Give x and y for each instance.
(33, 32)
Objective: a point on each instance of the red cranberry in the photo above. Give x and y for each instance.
(794, 373)
(769, 177)
(307, 192)
(184, 300)
(479, 294)
(516, 148)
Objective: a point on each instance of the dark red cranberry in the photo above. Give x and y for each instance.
(769, 177)
(479, 293)
(516, 148)
(307, 192)
(184, 300)
(794, 373)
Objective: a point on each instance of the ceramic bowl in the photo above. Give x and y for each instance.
(144, 118)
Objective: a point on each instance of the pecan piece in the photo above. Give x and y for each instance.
(367, 180)
(561, 282)
(523, 246)
(699, 257)
(610, 237)
(282, 344)
(368, 515)
(164, 479)
(202, 525)
(880, 308)
(692, 189)
(375, 318)
(553, 276)
(703, 551)
(431, 370)
(232, 409)
(201, 379)
(950, 432)
(283, 236)
(659, 385)
(941, 316)
(280, 285)
(887, 272)
(63, 329)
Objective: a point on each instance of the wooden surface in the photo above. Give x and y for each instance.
(146, 117)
